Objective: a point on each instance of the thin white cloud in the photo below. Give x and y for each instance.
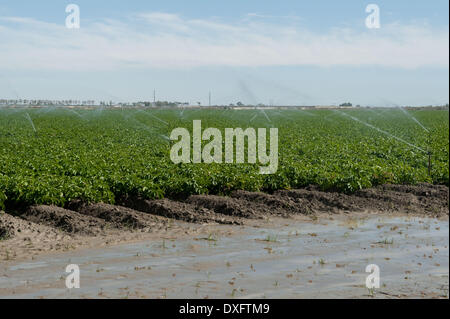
(160, 16)
(265, 16)
(162, 40)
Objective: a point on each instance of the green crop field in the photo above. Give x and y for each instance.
(52, 156)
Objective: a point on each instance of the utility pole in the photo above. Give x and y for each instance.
(154, 96)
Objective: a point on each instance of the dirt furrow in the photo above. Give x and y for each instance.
(146, 215)
(119, 216)
(179, 210)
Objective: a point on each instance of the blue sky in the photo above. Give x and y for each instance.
(281, 52)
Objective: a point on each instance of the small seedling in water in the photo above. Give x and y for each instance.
(321, 261)
(272, 239)
(211, 238)
(386, 241)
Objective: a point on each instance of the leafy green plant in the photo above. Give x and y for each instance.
(108, 155)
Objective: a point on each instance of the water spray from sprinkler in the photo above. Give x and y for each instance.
(413, 118)
(381, 131)
(31, 122)
(428, 151)
(265, 115)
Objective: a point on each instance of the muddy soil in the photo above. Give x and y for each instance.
(227, 206)
(118, 216)
(423, 199)
(64, 219)
(45, 225)
(179, 211)
(22, 238)
(273, 204)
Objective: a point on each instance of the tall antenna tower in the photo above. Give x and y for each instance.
(154, 96)
(209, 98)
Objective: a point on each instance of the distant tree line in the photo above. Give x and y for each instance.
(45, 102)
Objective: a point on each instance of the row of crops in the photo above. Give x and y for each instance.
(52, 156)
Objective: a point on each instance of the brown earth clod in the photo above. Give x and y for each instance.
(118, 216)
(179, 211)
(66, 220)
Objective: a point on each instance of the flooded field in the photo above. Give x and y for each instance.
(281, 258)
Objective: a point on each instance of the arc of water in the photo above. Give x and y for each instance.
(374, 112)
(154, 116)
(265, 114)
(73, 111)
(305, 112)
(381, 131)
(282, 115)
(31, 122)
(146, 127)
(413, 118)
